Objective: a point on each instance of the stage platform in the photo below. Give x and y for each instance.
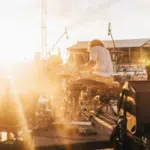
(66, 136)
(60, 137)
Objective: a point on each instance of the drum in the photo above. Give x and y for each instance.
(100, 85)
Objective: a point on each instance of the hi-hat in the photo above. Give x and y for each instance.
(65, 75)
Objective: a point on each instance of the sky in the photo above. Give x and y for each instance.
(20, 23)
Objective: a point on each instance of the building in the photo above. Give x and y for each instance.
(130, 51)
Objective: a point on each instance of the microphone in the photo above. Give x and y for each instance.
(109, 30)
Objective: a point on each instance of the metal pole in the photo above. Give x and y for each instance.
(43, 43)
(43, 28)
(129, 54)
(113, 41)
(56, 42)
(64, 33)
(110, 34)
(141, 52)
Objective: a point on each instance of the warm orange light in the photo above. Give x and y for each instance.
(27, 136)
(64, 56)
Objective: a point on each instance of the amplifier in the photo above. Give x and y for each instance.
(141, 90)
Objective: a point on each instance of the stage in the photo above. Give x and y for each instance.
(71, 136)
(63, 136)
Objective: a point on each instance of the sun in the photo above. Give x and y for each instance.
(10, 56)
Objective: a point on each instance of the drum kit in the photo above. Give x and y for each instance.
(85, 91)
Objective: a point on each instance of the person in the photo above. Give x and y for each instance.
(100, 63)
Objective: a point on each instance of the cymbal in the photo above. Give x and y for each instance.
(65, 75)
(91, 82)
(78, 51)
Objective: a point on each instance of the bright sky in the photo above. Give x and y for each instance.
(20, 31)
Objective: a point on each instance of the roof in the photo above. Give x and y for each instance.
(118, 44)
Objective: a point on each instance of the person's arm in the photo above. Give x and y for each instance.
(92, 61)
(89, 65)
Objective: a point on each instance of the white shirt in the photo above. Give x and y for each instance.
(104, 66)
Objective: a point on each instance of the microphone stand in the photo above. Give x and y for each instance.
(114, 45)
(64, 33)
(121, 128)
(110, 33)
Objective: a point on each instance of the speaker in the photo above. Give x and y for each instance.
(141, 94)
